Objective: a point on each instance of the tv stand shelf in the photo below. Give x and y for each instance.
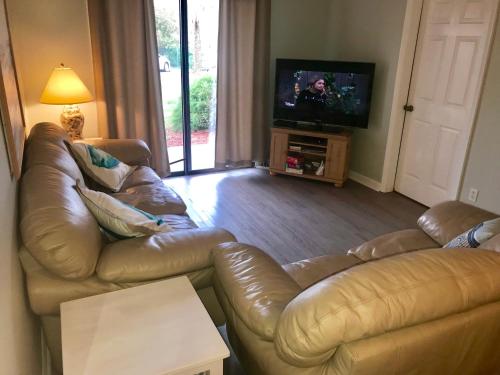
(309, 149)
(306, 144)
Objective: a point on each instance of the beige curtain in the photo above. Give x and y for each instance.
(243, 119)
(127, 76)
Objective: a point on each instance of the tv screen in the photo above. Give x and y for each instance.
(328, 92)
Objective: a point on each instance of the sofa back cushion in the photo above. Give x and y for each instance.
(389, 244)
(49, 132)
(40, 152)
(46, 146)
(56, 227)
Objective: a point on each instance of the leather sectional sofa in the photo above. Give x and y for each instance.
(398, 304)
(64, 254)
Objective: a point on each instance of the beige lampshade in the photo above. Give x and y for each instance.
(65, 87)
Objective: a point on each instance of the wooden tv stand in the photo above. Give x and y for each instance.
(311, 147)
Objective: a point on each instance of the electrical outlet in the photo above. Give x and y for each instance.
(473, 193)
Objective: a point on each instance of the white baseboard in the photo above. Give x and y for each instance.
(367, 181)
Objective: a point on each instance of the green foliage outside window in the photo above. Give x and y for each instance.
(200, 100)
(167, 34)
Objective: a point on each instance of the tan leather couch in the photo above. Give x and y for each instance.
(399, 304)
(66, 257)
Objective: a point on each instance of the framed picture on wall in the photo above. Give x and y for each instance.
(10, 101)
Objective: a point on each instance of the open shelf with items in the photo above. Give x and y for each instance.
(310, 154)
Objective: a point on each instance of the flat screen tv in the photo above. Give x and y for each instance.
(323, 92)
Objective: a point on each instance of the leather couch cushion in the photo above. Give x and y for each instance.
(56, 227)
(309, 271)
(447, 220)
(47, 291)
(393, 243)
(161, 255)
(382, 296)
(179, 222)
(157, 199)
(141, 176)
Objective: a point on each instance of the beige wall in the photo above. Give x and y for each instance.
(483, 165)
(370, 31)
(298, 31)
(354, 30)
(19, 332)
(44, 34)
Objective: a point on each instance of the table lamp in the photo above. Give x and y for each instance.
(65, 87)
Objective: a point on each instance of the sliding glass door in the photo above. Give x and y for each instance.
(187, 33)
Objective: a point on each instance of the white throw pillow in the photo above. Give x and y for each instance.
(477, 235)
(121, 220)
(101, 166)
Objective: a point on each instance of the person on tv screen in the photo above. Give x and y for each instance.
(313, 98)
(291, 98)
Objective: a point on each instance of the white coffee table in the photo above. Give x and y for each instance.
(158, 328)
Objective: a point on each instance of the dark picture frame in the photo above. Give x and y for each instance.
(10, 100)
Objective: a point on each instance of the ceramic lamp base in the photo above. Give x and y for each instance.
(72, 121)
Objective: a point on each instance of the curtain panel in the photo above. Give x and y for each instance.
(127, 75)
(243, 119)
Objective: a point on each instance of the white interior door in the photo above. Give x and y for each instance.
(451, 55)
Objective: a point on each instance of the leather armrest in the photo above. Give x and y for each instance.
(385, 295)
(129, 151)
(47, 291)
(445, 221)
(393, 243)
(160, 255)
(254, 284)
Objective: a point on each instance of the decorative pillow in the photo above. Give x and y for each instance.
(119, 219)
(475, 236)
(101, 166)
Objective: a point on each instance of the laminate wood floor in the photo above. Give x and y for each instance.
(292, 218)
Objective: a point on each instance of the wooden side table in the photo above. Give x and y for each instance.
(158, 328)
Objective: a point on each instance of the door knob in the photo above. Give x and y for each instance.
(408, 108)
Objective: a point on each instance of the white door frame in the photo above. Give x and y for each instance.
(401, 90)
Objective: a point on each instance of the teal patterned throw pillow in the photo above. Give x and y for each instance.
(101, 166)
(102, 159)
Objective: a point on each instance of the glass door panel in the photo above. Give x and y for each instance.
(203, 31)
(187, 36)
(169, 58)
